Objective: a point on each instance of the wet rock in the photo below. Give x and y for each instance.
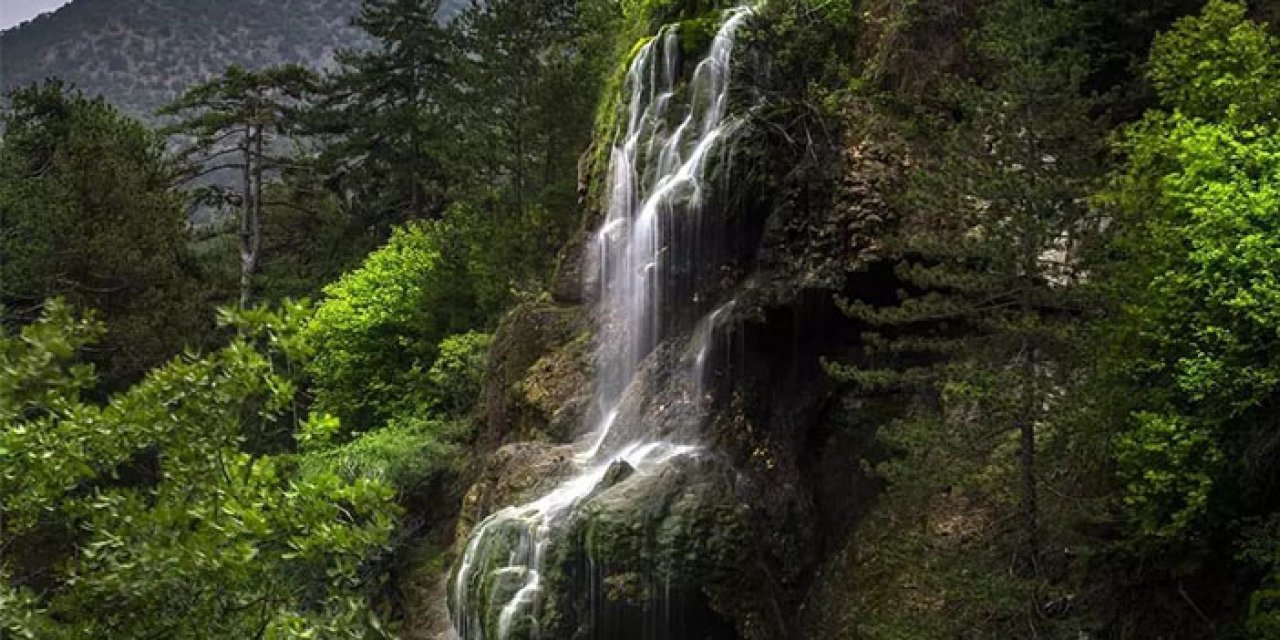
(513, 474)
(667, 554)
(555, 390)
(619, 471)
(520, 401)
(569, 284)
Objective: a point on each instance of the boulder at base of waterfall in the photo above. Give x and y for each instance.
(664, 555)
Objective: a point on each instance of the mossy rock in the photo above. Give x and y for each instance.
(697, 20)
(557, 388)
(530, 332)
(677, 539)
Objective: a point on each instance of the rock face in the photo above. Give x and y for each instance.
(539, 375)
(658, 555)
(723, 543)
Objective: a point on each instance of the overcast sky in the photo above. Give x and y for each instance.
(13, 12)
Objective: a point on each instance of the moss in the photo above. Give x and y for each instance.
(697, 21)
(607, 114)
(556, 386)
(696, 34)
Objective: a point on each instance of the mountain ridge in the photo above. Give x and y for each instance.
(140, 54)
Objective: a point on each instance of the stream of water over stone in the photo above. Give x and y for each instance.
(659, 182)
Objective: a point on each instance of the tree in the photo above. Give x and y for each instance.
(527, 94)
(479, 121)
(986, 257)
(309, 239)
(152, 516)
(379, 116)
(1198, 289)
(379, 329)
(241, 114)
(86, 213)
(528, 73)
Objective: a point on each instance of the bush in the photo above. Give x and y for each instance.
(173, 526)
(408, 455)
(455, 376)
(378, 331)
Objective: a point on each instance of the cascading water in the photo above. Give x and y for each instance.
(659, 170)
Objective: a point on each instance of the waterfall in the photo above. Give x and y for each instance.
(658, 185)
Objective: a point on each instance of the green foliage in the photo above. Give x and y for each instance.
(1169, 467)
(530, 73)
(309, 239)
(21, 615)
(251, 109)
(924, 583)
(983, 333)
(381, 119)
(86, 214)
(1196, 202)
(456, 374)
(177, 530)
(479, 122)
(1261, 548)
(837, 11)
(505, 250)
(1207, 63)
(379, 328)
(409, 454)
(651, 14)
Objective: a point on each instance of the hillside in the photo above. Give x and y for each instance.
(142, 53)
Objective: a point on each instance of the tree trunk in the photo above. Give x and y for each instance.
(246, 215)
(255, 230)
(1028, 410)
(1027, 458)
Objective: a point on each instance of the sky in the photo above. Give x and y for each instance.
(13, 12)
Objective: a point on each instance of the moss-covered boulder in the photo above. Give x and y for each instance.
(556, 389)
(664, 554)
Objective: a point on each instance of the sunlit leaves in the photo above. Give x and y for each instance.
(377, 331)
(1198, 203)
(183, 533)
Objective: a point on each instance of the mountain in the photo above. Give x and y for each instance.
(140, 54)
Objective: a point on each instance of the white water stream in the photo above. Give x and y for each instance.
(659, 168)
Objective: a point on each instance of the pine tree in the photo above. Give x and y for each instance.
(235, 121)
(986, 256)
(86, 214)
(528, 73)
(380, 120)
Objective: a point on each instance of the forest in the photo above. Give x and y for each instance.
(656, 320)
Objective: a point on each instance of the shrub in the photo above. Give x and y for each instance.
(378, 331)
